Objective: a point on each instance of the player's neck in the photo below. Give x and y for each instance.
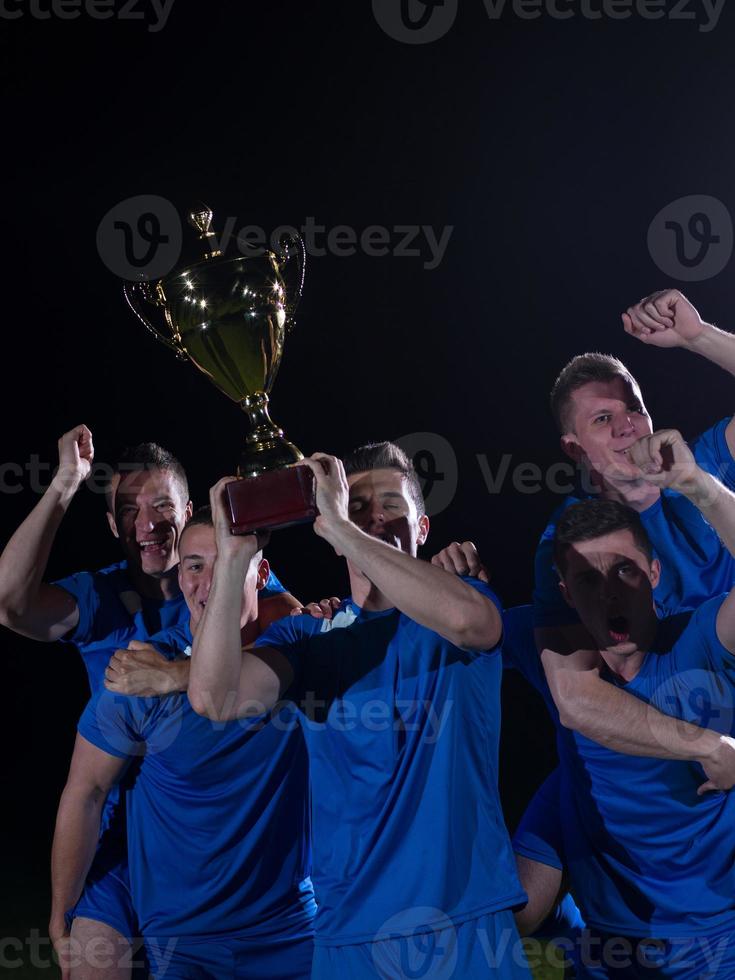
(625, 667)
(366, 595)
(164, 588)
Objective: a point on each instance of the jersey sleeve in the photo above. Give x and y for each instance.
(698, 683)
(81, 585)
(539, 834)
(549, 607)
(117, 724)
(173, 642)
(484, 589)
(290, 636)
(713, 454)
(272, 587)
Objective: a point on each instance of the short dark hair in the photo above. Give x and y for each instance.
(147, 456)
(581, 370)
(591, 519)
(386, 456)
(201, 516)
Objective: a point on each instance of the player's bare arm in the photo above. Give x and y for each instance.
(226, 681)
(668, 319)
(91, 776)
(27, 604)
(424, 592)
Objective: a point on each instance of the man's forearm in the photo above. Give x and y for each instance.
(715, 345)
(216, 656)
(25, 557)
(606, 714)
(424, 592)
(717, 504)
(75, 843)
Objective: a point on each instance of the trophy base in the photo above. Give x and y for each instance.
(275, 499)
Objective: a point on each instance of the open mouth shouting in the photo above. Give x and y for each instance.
(618, 629)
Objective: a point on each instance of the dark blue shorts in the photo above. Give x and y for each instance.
(106, 896)
(270, 958)
(488, 946)
(698, 957)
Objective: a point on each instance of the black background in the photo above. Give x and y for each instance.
(548, 145)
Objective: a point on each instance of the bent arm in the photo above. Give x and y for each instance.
(614, 718)
(91, 776)
(226, 681)
(426, 593)
(28, 605)
(718, 346)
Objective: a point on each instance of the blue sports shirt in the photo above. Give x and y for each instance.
(402, 731)
(647, 856)
(217, 816)
(694, 564)
(112, 613)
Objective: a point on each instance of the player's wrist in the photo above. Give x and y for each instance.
(177, 675)
(234, 558)
(710, 746)
(65, 482)
(702, 489)
(700, 342)
(336, 529)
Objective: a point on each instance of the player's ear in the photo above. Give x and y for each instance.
(571, 447)
(423, 530)
(654, 575)
(112, 523)
(264, 571)
(566, 594)
(188, 511)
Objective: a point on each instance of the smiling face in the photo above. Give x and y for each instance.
(610, 582)
(150, 511)
(198, 550)
(605, 419)
(382, 506)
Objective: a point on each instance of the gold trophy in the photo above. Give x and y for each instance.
(229, 316)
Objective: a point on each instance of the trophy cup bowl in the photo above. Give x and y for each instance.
(229, 316)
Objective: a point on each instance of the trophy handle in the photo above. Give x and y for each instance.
(138, 293)
(293, 265)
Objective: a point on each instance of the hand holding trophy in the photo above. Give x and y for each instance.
(229, 316)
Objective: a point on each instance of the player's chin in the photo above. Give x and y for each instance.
(156, 565)
(621, 648)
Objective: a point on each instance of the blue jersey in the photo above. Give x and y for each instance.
(646, 855)
(694, 564)
(402, 731)
(112, 613)
(217, 817)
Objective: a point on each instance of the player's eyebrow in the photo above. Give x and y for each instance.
(187, 557)
(601, 408)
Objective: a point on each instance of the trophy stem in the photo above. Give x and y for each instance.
(266, 448)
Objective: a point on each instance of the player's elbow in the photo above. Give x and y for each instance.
(477, 626)
(566, 692)
(207, 704)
